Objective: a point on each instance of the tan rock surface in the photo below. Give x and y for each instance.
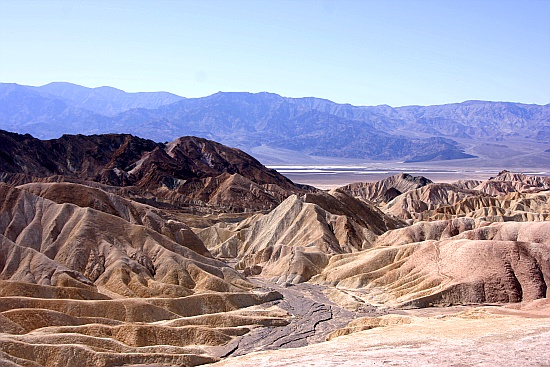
(477, 337)
(508, 196)
(513, 181)
(385, 190)
(428, 197)
(519, 207)
(111, 282)
(423, 231)
(449, 271)
(90, 278)
(295, 241)
(131, 211)
(86, 245)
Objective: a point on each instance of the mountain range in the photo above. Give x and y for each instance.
(302, 126)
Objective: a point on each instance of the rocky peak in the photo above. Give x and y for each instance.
(173, 172)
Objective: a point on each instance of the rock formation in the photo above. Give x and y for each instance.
(112, 282)
(187, 171)
(116, 250)
(466, 245)
(492, 336)
(387, 189)
(452, 271)
(508, 196)
(434, 195)
(295, 240)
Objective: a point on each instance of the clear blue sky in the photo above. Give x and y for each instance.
(365, 52)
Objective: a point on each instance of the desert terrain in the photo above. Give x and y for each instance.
(274, 183)
(119, 251)
(477, 336)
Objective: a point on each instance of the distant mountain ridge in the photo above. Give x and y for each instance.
(106, 100)
(310, 126)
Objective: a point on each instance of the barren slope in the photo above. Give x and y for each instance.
(189, 171)
(81, 286)
(385, 190)
(485, 336)
(295, 241)
(90, 277)
(508, 196)
(504, 262)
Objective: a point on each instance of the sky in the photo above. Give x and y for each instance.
(363, 52)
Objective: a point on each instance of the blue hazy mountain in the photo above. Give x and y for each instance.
(107, 101)
(310, 125)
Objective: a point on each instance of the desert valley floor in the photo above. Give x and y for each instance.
(119, 251)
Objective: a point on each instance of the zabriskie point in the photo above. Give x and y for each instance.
(149, 249)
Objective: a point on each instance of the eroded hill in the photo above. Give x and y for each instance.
(97, 288)
(116, 250)
(188, 172)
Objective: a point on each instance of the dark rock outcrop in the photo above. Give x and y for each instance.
(187, 171)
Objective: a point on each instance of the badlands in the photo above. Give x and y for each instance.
(119, 251)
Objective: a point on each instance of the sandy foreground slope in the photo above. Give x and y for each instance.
(515, 335)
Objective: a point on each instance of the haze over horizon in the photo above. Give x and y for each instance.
(359, 52)
(199, 97)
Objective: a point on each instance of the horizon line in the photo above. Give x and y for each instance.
(280, 95)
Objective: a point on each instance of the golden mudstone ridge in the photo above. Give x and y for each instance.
(82, 284)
